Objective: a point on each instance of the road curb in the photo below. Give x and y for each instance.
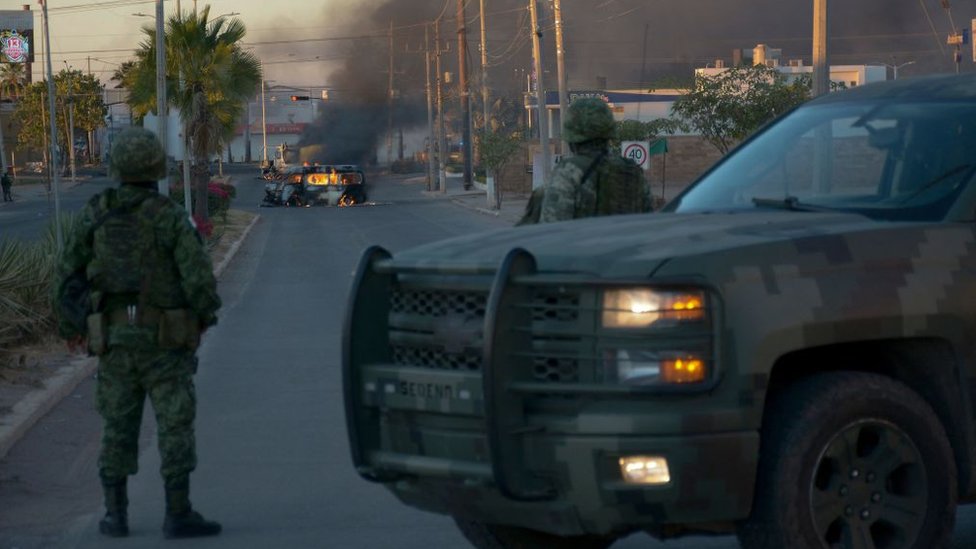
(37, 404)
(235, 246)
(478, 209)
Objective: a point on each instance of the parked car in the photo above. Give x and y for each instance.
(786, 352)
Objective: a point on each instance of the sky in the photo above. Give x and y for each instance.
(108, 35)
(603, 37)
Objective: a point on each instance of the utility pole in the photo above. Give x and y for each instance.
(389, 105)
(54, 132)
(821, 67)
(187, 198)
(561, 74)
(465, 92)
(70, 119)
(430, 111)
(540, 94)
(441, 134)
(484, 70)
(162, 116)
(264, 125)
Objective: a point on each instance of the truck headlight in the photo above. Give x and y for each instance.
(646, 367)
(643, 307)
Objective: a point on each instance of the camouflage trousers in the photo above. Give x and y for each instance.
(126, 376)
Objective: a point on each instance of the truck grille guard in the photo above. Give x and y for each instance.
(363, 343)
(534, 337)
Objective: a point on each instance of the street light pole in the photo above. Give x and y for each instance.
(161, 110)
(264, 123)
(71, 122)
(895, 68)
(56, 178)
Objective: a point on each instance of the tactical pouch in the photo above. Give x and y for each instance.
(97, 333)
(179, 329)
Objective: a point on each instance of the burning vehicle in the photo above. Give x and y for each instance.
(341, 185)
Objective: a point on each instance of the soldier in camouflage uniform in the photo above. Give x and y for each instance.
(593, 182)
(153, 293)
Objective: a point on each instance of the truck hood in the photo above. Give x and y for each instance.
(634, 245)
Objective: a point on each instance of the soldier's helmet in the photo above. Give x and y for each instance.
(588, 119)
(137, 155)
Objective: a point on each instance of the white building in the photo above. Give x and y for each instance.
(845, 75)
(287, 111)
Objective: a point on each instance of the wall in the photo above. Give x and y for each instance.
(687, 158)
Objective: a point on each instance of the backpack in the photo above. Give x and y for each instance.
(619, 189)
(128, 256)
(76, 303)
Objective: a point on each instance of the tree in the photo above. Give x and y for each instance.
(727, 107)
(218, 77)
(82, 93)
(496, 148)
(122, 74)
(75, 88)
(30, 117)
(13, 80)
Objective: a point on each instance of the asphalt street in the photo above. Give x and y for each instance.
(33, 208)
(274, 463)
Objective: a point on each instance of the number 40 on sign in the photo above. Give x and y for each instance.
(636, 151)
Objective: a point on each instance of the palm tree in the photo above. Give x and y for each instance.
(12, 79)
(218, 78)
(122, 73)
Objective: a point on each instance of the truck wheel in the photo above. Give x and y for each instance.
(852, 460)
(494, 536)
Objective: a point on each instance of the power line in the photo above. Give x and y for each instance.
(78, 8)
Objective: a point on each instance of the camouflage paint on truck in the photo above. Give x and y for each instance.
(480, 379)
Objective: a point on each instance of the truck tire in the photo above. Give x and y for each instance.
(494, 536)
(849, 458)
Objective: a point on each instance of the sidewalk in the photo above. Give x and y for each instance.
(476, 199)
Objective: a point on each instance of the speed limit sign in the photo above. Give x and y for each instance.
(636, 151)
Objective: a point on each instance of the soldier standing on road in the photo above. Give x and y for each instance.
(592, 182)
(6, 183)
(153, 293)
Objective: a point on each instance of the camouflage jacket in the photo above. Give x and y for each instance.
(173, 231)
(568, 196)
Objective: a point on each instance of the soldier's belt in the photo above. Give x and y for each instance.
(133, 315)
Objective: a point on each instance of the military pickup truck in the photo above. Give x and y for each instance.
(787, 352)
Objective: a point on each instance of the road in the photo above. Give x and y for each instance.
(274, 464)
(32, 211)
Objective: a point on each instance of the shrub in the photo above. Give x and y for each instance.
(219, 197)
(26, 286)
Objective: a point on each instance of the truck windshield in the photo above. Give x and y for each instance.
(886, 160)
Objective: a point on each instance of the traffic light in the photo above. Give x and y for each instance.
(299, 98)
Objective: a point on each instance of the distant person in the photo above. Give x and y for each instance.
(6, 182)
(153, 293)
(592, 182)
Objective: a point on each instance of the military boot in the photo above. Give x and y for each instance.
(115, 523)
(181, 520)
